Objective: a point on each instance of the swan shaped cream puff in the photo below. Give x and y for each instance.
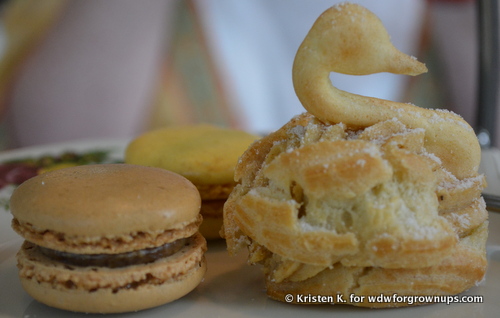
(358, 195)
(350, 39)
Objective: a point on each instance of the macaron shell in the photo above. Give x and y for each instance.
(204, 154)
(215, 191)
(211, 227)
(81, 244)
(105, 290)
(211, 210)
(106, 200)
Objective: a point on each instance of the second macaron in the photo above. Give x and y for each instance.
(204, 154)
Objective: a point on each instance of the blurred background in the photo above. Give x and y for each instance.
(101, 69)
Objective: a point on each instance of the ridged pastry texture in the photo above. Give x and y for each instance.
(327, 209)
(360, 195)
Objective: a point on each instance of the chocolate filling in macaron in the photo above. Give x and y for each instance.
(144, 256)
(109, 238)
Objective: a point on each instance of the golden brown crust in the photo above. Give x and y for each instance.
(83, 201)
(466, 219)
(464, 268)
(305, 203)
(369, 197)
(105, 290)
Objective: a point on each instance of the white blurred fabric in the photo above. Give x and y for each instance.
(94, 75)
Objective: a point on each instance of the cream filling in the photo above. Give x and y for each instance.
(143, 256)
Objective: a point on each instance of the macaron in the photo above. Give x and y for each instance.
(205, 154)
(108, 238)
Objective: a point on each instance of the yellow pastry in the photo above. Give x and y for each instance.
(204, 154)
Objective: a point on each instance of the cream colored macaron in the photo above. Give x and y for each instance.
(204, 154)
(108, 238)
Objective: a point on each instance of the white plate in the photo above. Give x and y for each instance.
(231, 288)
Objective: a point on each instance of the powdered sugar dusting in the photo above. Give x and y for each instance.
(361, 162)
(463, 184)
(462, 219)
(306, 227)
(432, 156)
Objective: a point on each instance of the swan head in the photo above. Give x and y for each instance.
(349, 39)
